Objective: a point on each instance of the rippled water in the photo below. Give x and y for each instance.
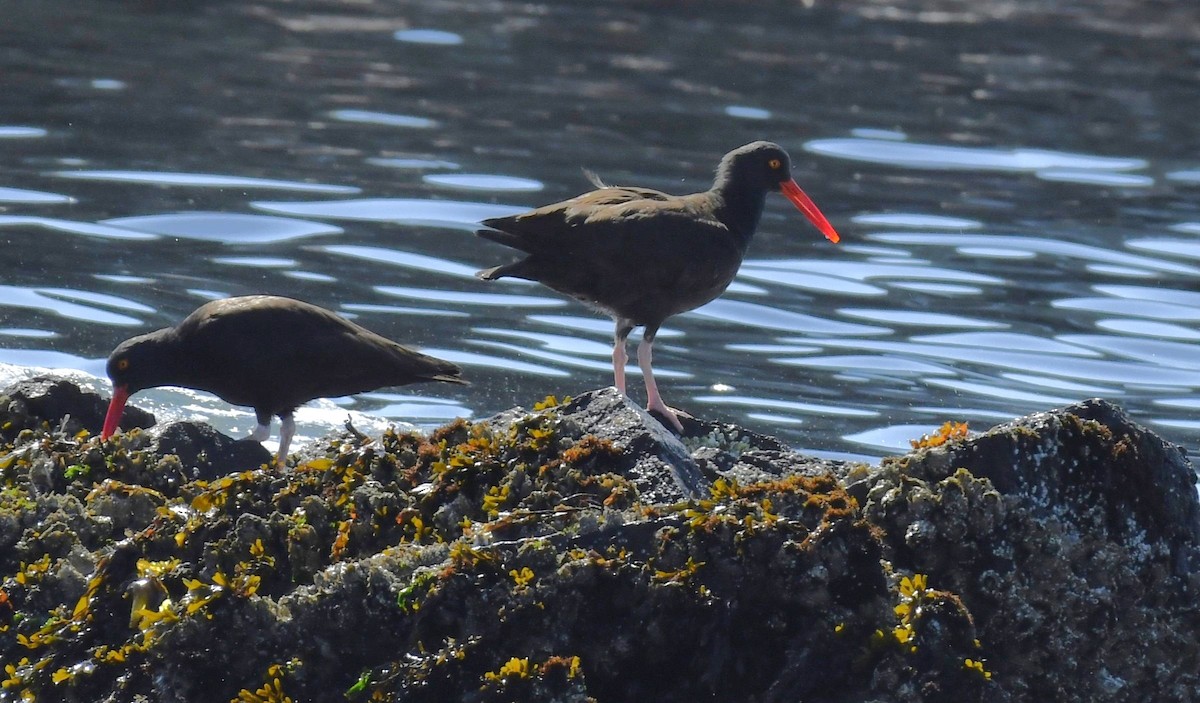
(1017, 193)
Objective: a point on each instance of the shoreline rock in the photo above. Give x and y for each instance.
(579, 552)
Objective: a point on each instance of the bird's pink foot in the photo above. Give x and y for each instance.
(664, 411)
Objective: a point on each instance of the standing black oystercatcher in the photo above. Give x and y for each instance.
(641, 256)
(270, 353)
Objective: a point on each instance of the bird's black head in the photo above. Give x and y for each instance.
(747, 173)
(141, 362)
(759, 166)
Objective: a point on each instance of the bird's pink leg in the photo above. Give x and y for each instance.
(261, 433)
(287, 430)
(653, 400)
(619, 357)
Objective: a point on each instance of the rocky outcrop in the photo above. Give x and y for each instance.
(1073, 536)
(579, 552)
(45, 399)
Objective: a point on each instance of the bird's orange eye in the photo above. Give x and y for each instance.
(774, 163)
(123, 364)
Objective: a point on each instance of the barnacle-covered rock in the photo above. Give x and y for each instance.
(649, 451)
(578, 552)
(203, 451)
(1073, 536)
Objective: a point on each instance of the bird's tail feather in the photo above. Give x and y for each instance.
(508, 239)
(450, 379)
(491, 274)
(442, 370)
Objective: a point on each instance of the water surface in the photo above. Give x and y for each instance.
(1017, 194)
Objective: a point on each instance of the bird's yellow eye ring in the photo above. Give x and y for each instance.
(774, 163)
(123, 364)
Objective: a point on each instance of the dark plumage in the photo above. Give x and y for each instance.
(267, 352)
(641, 256)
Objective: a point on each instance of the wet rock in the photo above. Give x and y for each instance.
(653, 457)
(1073, 536)
(204, 452)
(48, 398)
(580, 552)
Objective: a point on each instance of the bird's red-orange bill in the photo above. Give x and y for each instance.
(115, 408)
(805, 205)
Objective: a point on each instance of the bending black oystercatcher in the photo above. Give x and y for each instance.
(641, 256)
(270, 353)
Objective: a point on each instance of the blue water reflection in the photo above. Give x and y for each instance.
(569, 361)
(1052, 247)
(938, 156)
(449, 297)
(1006, 256)
(1080, 369)
(383, 118)
(1186, 248)
(811, 281)
(915, 220)
(412, 164)
(1078, 390)
(497, 363)
(350, 310)
(918, 318)
(1145, 328)
(876, 270)
(798, 408)
(1132, 308)
(404, 259)
(32, 197)
(1157, 293)
(87, 229)
(1185, 176)
(25, 332)
(311, 276)
(205, 180)
(1095, 178)
(746, 112)
(224, 227)
(771, 318)
(21, 132)
(434, 37)
(594, 325)
(431, 213)
(554, 342)
(480, 181)
(264, 262)
(858, 364)
(1166, 353)
(1032, 401)
(58, 301)
(894, 439)
(1014, 341)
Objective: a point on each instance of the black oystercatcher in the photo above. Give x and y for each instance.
(641, 256)
(270, 353)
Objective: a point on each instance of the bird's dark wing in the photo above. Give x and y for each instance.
(630, 212)
(278, 353)
(621, 253)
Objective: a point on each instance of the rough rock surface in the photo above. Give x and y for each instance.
(650, 453)
(1074, 537)
(204, 451)
(577, 552)
(48, 399)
